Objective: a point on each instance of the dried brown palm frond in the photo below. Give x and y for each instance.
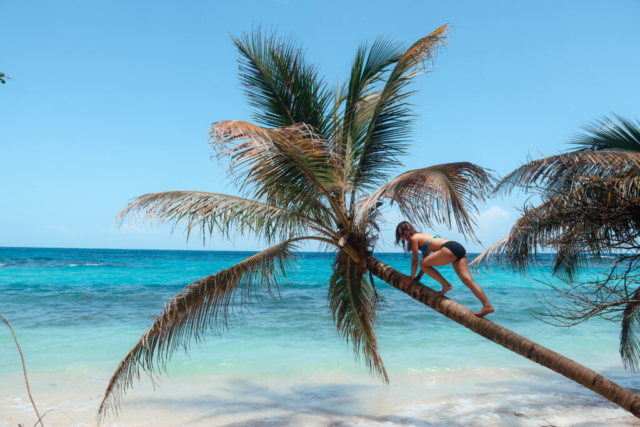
(490, 257)
(444, 193)
(612, 295)
(554, 172)
(601, 216)
(203, 305)
(596, 216)
(534, 229)
(352, 302)
(607, 149)
(24, 369)
(288, 166)
(296, 146)
(585, 194)
(213, 212)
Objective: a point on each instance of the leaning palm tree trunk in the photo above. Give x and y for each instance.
(319, 170)
(510, 340)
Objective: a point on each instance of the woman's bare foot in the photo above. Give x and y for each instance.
(445, 289)
(485, 310)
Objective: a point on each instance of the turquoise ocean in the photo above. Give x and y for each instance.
(77, 312)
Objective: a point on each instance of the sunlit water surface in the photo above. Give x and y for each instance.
(77, 312)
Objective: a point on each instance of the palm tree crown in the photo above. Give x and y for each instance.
(317, 164)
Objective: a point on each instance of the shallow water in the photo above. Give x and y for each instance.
(78, 311)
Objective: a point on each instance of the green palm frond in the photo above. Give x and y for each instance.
(352, 304)
(280, 86)
(391, 122)
(289, 166)
(630, 334)
(556, 172)
(362, 96)
(337, 123)
(213, 212)
(606, 134)
(444, 194)
(203, 305)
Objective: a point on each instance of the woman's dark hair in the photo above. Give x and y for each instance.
(404, 227)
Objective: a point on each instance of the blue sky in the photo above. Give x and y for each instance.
(111, 100)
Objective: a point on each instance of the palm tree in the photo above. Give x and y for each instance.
(589, 212)
(316, 166)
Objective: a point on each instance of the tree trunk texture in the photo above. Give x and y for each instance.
(510, 340)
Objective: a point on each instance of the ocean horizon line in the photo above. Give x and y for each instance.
(193, 250)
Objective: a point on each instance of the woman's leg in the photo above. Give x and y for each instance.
(462, 270)
(437, 259)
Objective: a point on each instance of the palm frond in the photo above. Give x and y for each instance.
(201, 306)
(281, 87)
(606, 134)
(444, 194)
(213, 212)
(537, 228)
(363, 94)
(391, 122)
(555, 172)
(352, 304)
(289, 166)
(595, 216)
(630, 334)
(490, 257)
(579, 224)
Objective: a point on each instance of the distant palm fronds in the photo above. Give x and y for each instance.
(589, 212)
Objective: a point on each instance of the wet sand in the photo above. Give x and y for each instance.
(478, 397)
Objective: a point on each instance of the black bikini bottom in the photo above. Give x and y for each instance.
(456, 248)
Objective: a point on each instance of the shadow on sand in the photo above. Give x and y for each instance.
(247, 403)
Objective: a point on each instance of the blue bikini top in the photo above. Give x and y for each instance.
(425, 247)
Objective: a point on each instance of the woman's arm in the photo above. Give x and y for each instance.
(419, 276)
(415, 262)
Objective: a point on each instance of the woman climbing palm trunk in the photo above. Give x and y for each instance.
(317, 165)
(436, 252)
(508, 339)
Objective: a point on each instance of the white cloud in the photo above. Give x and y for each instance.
(493, 217)
(493, 224)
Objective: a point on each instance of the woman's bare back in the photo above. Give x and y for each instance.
(422, 238)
